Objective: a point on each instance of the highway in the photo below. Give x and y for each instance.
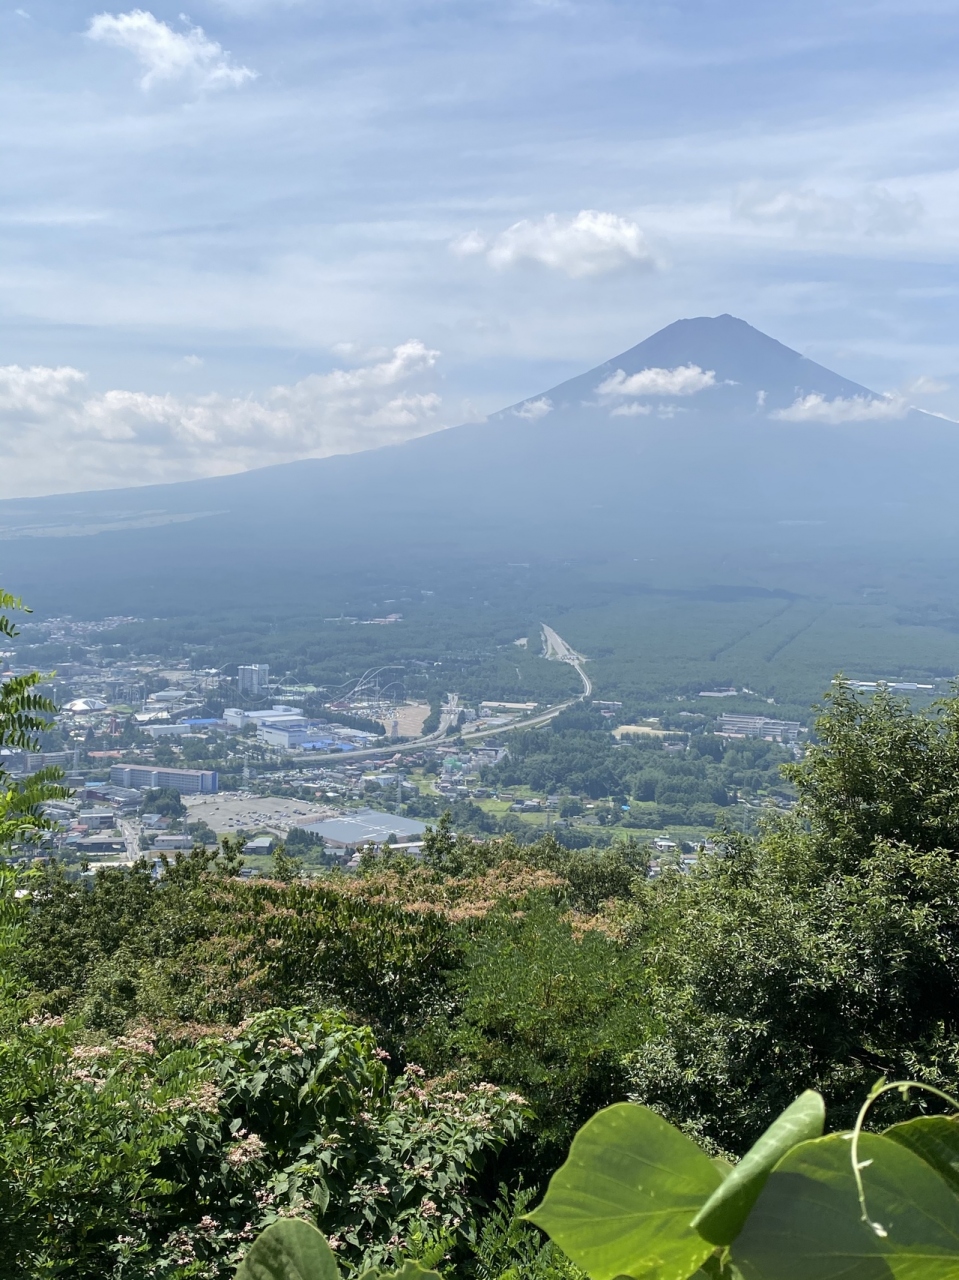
(556, 650)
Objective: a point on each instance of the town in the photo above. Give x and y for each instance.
(162, 756)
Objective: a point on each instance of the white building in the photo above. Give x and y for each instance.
(285, 737)
(732, 726)
(279, 713)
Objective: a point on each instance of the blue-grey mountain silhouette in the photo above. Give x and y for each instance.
(709, 439)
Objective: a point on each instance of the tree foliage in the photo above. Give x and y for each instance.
(24, 715)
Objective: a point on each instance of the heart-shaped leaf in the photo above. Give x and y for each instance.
(622, 1202)
(807, 1223)
(289, 1250)
(721, 1218)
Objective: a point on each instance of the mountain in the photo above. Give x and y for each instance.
(709, 443)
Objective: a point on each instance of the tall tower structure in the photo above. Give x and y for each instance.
(253, 680)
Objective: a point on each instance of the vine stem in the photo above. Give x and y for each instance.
(857, 1165)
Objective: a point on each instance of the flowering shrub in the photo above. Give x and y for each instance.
(143, 1158)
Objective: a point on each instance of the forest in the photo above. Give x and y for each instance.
(402, 1057)
(576, 753)
(656, 632)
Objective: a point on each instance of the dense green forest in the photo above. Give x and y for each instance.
(403, 1055)
(656, 633)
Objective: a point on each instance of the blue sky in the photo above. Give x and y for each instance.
(269, 230)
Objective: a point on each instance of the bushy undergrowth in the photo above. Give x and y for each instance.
(148, 1156)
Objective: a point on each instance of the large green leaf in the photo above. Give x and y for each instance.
(807, 1223)
(622, 1203)
(934, 1139)
(289, 1250)
(721, 1218)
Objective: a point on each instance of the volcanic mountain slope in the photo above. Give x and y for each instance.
(709, 439)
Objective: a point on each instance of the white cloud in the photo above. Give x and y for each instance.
(167, 54)
(590, 244)
(684, 380)
(470, 244)
(57, 435)
(926, 386)
(631, 410)
(872, 211)
(533, 409)
(816, 408)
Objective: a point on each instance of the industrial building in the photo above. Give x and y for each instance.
(367, 826)
(279, 713)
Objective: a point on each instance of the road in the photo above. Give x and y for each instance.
(556, 650)
(131, 835)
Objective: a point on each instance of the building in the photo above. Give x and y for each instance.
(169, 730)
(96, 819)
(295, 739)
(367, 826)
(171, 842)
(284, 737)
(27, 762)
(98, 844)
(279, 713)
(897, 686)
(146, 778)
(733, 726)
(253, 681)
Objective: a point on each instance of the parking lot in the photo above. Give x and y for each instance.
(241, 811)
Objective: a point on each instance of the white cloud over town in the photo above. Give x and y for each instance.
(684, 380)
(843, 409)
(58, 435)
(592, 243)
(166, 54)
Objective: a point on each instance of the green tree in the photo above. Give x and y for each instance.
(286, 866)
(24, 715)
(551, 1013)
(825, 950)
(164, 801)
